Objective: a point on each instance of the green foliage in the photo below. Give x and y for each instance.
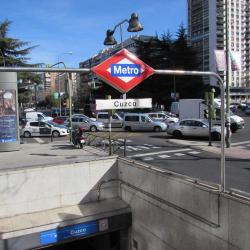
(14, 52)
(168, 53)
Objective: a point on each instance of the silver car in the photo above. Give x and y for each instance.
(85, 122)
(193, 127)
(141, 122)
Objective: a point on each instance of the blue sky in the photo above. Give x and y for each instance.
(79, 26)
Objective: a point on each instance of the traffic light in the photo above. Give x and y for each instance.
(64, 102)
(206, 113)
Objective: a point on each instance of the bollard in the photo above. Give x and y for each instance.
(21, 140)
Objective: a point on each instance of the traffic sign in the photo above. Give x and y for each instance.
(123, 71)
(123, 103)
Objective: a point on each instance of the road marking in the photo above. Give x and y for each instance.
(242, 147)
(148, 159)
(179, 154)
(39, 140)
(194, 152)
(164, 156)
(162, 152)
(122, 140)
(142, 147)
(152, 146)
(239, 143)
(133, 148)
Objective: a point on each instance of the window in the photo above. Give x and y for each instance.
(40, 117)
(103, 116)
(134, 118)
(153, 115)
(74, 119)
(34, 124)
(162, 116)
(115, 117)
(144, 118)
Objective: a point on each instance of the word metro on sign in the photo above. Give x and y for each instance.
(123, 71)
(123, 104)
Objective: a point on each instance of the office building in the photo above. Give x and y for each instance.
(207, 33)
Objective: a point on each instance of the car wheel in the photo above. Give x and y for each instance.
(93, 128)
(128, 129)
(26, 134)
(55, 133)
(177, 134)
(157, 129)
(216, 136)
(233, 127)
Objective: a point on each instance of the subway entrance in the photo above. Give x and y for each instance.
(108, 241)
(109, 233)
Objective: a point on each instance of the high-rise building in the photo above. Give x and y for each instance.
(207, 33)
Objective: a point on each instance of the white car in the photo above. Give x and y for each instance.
(193, 127)
(43, 129)
(163, 117)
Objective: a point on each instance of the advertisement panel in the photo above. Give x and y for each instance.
(8, 118)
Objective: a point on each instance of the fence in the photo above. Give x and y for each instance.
(105, 143)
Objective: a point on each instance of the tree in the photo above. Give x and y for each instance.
(14, 52)
(168, 53)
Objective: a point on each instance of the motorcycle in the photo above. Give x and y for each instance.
(78, 137)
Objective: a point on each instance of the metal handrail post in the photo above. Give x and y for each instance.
(222, 89)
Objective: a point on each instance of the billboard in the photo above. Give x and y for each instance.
(8, 115)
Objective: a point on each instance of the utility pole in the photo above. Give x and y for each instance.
(228, 78)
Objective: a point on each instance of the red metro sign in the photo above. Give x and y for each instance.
(123, 71)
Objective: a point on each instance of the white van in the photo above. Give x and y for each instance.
(37, 116)
(142, 122)
(116, 120)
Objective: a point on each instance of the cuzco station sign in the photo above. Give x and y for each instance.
(123, 71)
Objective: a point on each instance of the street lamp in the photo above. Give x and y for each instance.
(134, 26)
(59, 82)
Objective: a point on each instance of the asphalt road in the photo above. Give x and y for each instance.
(161, 150)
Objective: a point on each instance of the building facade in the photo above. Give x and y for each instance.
(207, 33)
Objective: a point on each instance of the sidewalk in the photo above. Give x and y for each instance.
(232, 152)
(53, 153)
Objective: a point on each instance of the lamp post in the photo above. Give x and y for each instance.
(228, 78)
(59, 82)
(134, 26)
(69, 93)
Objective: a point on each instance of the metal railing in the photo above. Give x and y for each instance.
(103, 143)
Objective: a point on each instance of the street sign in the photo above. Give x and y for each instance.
(123, 71)
(123, 104)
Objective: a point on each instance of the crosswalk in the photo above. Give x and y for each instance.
(242, 145)
(166, 154)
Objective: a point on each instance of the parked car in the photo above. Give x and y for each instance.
(162, 116)
(247, 110)
(142, 122)
(60, 119)
(38, 128)
(193, 127)
(116, 120)
(79, 120)
(36, 116)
